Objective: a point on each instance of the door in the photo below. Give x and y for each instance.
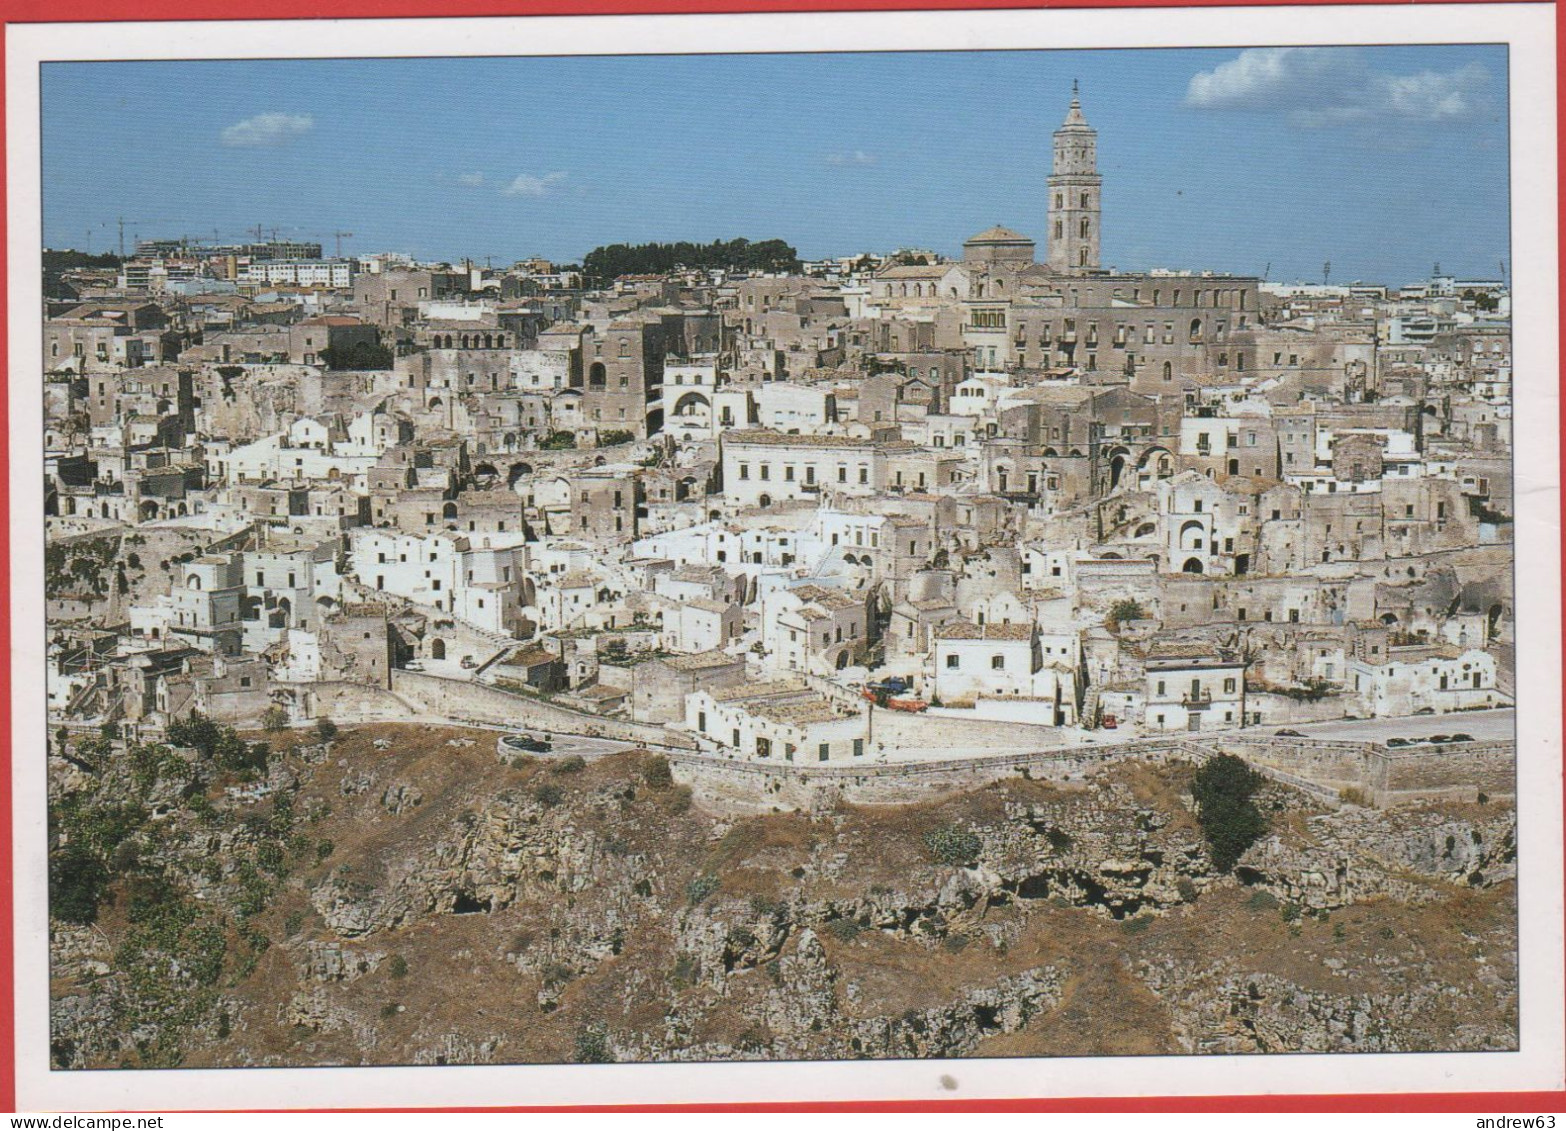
(1193, 721)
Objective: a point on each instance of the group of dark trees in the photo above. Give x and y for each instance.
(57, 263)
(604, 264)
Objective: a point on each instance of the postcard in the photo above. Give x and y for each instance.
(838, 556)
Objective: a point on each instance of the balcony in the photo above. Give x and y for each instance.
(1198, 702)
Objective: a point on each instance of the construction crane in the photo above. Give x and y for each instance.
(340, 237)
(122, 221)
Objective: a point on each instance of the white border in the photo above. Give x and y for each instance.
(1528, 29)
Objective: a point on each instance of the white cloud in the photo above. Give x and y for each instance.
(857, 157)
(528, 185)
(472, 180)
(267, 130)
(1326, 87)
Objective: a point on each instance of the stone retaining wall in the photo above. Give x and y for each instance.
(464, 700)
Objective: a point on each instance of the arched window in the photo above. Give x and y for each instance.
(1168, 371)
(1082, 258)
(1084, 227)
(1085, 199)
(1060, 229)
(625, 347)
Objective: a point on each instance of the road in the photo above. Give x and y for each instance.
(1483, 725)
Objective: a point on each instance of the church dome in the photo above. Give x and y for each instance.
(998, 245)
(998, 235)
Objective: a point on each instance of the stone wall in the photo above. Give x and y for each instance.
(1323, 768)
(937, 728)
(345, 702)
(1459, 771)
(464, 700)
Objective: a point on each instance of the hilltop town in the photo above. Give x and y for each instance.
(718, 655)
(847, 512)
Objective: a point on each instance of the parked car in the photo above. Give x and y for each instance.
(1286, 733)
(469, 662)
(1439, 738)
(1399, 742)
(1461, 738)
(413, 666)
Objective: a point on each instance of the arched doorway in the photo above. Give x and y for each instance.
(437, 649)
(1192, 565)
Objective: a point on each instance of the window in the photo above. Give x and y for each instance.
(822, 750)
(859, 747)
(997, 663)
(953, 662)
(1228, 687)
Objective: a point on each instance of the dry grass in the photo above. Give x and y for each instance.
(459, 982)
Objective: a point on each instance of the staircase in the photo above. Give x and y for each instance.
(1089, 715)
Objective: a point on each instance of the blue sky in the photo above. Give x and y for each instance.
(1381, 160)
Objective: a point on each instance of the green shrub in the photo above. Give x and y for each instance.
(398, 966)
(574, 764)
(325, 729)
(656, 772)
(548, 794)
(1262, 900)
(274, 718)
(592, 1046)
(77, 884)
(700, 888)
(954, 845)
(845, 930)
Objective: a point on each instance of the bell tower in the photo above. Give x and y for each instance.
(1074, 194)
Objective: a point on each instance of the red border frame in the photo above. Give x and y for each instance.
(54, 11)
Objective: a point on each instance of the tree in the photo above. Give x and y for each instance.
(613, 437)
(77, 882)
(1124, 610)
(274, 718)
(1229, 818)
(325, 729)
(559, 441)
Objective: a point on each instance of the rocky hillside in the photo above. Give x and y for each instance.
(398, 895)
